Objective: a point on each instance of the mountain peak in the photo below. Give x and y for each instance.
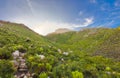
(61, 30)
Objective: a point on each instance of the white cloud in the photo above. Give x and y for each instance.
(47, 26)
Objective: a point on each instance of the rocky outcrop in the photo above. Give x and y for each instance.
(20, 65)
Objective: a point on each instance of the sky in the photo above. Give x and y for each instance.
(45, 16)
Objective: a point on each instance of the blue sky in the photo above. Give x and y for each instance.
(45, 16)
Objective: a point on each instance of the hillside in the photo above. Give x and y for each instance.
(21, 49)
(25, 54)
(96, 41)
(21, 31)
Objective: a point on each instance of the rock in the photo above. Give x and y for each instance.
(62, 59)
(25, 76)
(108, 72)
(65, 53)
(15, 76)
(59, 50)
(22, 75)
(23, 67)
(33, 74)
(41, 56)
(23, 70)
(16, 63)
(20, 64)
(22, 54)
(16, 53)
(28, 74)
(20, 57)
(22, 60)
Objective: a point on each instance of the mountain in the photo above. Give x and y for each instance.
(89, 53)
(96, 41)
(60, 31)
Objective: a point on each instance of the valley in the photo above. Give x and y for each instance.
(89, 53)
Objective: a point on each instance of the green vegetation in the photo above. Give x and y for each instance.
(95, 41)
(90, 53)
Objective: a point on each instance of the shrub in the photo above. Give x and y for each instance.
(43, 75)
(6, 69)
(77, 74)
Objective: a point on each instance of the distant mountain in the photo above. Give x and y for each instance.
(60, 31)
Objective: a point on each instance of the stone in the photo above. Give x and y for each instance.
(65, 53)
(16, 53)
(41, 56)
(59, 50)
(22, 75)
(15, 76)
(23, 67)
(23, 70)
(15, 63)
(28, 74)
(20, 57)
(22, 54)
(22, 60)
(25, 76)
(62, 59)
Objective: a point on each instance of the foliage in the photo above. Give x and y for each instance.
(43, 75)
(91, 53)
(6, 69)
(77, 74)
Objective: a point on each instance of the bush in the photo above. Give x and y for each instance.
(43, 75)
(6, 69)
(77, 74)
(4, 53)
